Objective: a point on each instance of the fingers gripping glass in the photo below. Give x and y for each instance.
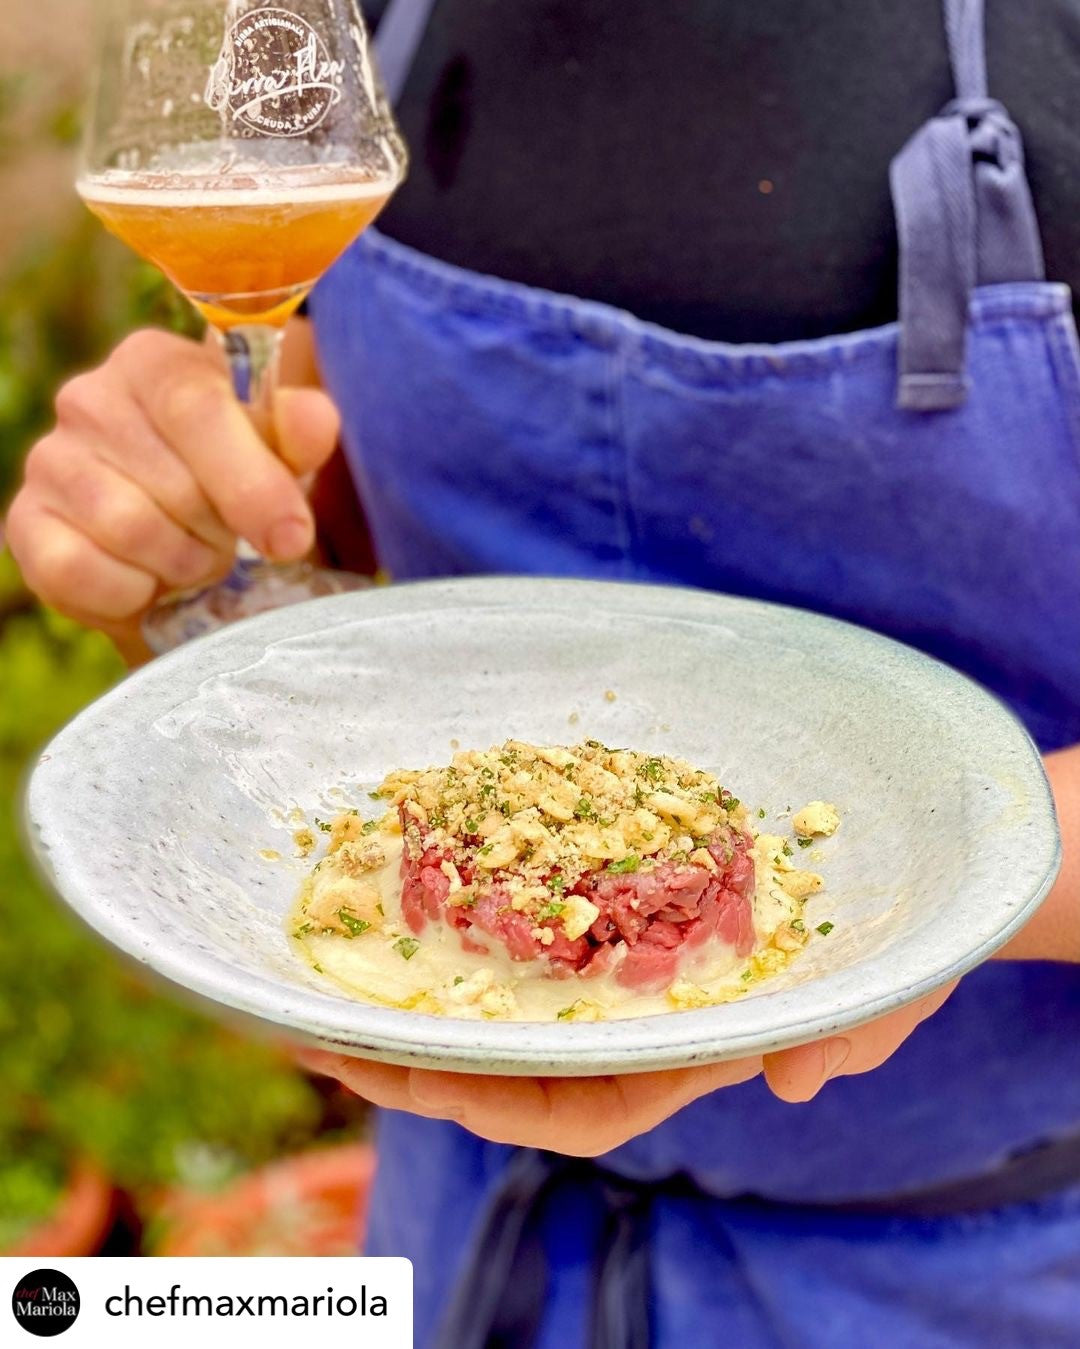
(241, 147)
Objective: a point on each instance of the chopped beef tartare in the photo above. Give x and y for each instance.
(590, 859)
(615, 867)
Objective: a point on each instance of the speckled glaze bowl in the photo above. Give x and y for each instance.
(154, 811)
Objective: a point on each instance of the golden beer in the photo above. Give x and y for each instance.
(241, 255)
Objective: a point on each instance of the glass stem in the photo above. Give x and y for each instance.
(254, 353)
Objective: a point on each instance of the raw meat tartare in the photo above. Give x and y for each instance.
(531, 881)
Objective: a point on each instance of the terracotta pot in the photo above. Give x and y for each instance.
(81, 1221)
(311, 1204)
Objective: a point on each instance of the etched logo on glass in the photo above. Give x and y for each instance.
(275, 76)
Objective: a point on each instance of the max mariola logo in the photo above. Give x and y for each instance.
(275, 76)
(45, 1302)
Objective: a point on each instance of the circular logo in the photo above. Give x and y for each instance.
(275, 76)
(45, 1302)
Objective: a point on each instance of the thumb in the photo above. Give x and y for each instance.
(306, 425)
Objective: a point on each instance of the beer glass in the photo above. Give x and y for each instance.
(241, 147)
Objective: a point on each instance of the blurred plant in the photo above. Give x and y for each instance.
(92, 1063)
(68, 298)
(12, 91)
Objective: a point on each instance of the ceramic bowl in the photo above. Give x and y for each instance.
(158, 811)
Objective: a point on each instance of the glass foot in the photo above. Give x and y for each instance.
(252, 587)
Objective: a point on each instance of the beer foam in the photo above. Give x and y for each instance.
(177, 191)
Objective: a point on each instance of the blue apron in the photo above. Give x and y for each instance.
(922, 479)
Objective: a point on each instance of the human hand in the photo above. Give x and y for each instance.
(587, 1116)
(152, 473)
(576, 1116)
(799, 1073)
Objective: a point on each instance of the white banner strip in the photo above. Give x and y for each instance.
(224, 1303)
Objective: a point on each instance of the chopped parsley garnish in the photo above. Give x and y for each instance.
(824, 928)
(504, 809)
(485, 849)
(804, 842)
(797, 925)
(471, 826)
(487, 772)
(786, 850)
(700, 842)
(652, 769)
(458, 979)
(556, 884)
(630, 862)
(377, 796)
(437, 820)
(746, 976)
(322, 824)
(369, 826)
(761, 812)
(596, 744)
(554, 908)
(728, 801)
(303, 930)
(356, 926)
(316, 966)
(567, 1011)
(487, 789)
(406, 947)
(585, 810)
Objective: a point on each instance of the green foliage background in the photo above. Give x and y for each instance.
(92, 1064)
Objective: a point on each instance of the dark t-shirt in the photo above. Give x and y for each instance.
(717, 166)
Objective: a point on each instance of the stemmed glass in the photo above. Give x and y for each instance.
(241, 147)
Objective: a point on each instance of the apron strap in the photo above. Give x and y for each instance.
(964, 30)
(621, 1291)
(397, 41)
(964, 217)
(498, 1302)
(499, 1299)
